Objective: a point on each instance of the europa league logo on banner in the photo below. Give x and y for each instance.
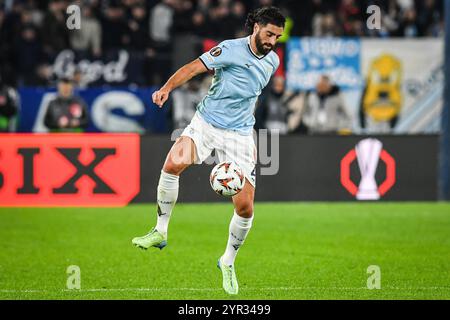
(368, 153)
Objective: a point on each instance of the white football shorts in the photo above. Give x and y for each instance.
(229, 145)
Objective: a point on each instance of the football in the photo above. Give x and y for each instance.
(227, 179)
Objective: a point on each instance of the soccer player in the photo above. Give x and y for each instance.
(223, 121)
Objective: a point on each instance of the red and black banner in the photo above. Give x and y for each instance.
(317, 168)
(69, 169)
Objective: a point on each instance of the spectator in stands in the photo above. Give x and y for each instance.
(184, 103)
(389, 18)
(200, 24)
(158, 64)
(138, 28)
(4, 44)
(12, 26)
(66, 113)
(114, 28)
(13, 21)
(429, 17)
(325, 111)
(44, 75)
(203, 6)
(409, 26)
(9, 108)
(27, 53)
(161, 20)
(87, 40)
(221, 22)
(303, 13)
(33, 32)
(405, 4)
(182, 20)
(326, 25)
(238, 18)
(80, 80)
(350, 15)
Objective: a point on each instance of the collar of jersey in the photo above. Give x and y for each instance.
(251, 51)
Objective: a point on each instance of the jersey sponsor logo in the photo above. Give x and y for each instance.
(216, 51)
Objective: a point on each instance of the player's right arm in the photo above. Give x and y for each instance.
(181, 76)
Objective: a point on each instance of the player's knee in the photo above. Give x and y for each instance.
(244, 209)
(172, 167)
(175, 166)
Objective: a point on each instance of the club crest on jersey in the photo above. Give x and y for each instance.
(216, 51)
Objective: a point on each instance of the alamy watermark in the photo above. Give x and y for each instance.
(74, 277)
(74, 17)
(374, 280)
(374, 21)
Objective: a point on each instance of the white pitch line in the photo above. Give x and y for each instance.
(215, 289)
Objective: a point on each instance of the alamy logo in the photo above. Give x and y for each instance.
(74, 19)
(74, 277)
(368, 153)
(374, 21)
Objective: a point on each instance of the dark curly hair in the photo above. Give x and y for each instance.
(264, 16)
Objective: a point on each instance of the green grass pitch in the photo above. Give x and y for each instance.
(294, 251)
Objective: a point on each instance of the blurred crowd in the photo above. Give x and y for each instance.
(33, 33)
(318, 111)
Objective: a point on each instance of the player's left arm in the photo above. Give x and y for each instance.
(180, 77)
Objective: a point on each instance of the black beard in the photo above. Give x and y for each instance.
(260, 47)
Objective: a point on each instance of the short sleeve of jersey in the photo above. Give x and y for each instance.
(276, 64)
(218, 57)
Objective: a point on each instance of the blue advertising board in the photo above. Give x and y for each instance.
(309, 58)
(110, 110)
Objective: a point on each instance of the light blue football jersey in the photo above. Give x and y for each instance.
(240, 75)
